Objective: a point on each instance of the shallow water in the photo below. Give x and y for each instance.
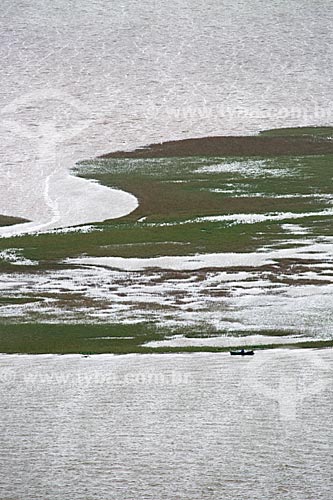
(204, 426)
(83, 78)
(250, 299)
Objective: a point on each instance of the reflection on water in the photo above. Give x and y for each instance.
(205, 426)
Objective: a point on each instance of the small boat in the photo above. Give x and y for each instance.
(242, 353)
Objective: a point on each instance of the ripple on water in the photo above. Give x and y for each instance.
(200, 426)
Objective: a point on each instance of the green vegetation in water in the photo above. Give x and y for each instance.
(17, 300)
(174, 193)
(41, 338)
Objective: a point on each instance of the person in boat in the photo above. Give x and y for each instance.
(242, 351)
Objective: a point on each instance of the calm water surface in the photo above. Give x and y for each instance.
(202, 426)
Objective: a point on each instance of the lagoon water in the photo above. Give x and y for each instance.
(161, 427)
(85, 77)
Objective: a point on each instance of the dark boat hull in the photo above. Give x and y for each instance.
(240, 353)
